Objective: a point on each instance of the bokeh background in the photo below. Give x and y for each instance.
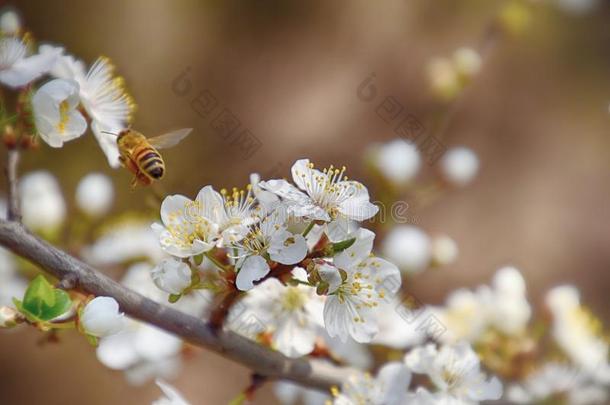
(537, 116)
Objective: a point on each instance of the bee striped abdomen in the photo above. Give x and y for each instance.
(150, 162)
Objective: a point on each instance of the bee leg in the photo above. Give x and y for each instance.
(134, 182)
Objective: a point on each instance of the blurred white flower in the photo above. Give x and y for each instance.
(467, 61)
(578, 332)
(56, 113)
(443, 77)
(126, 241)
(101, 317)
(187, 229)
(509, 310)
(322, 195)
(444, 250)
(398, 161)
(103, 96)
(408, 247)
(13, 285)
(171, 276)
(456, 373)
(291, 394)
(267, 238)
(171, 396)
(503, 307)
(10, 22)
(554, 381)
(141, 350)
(95, 194)
(388, 388)
(459, 166)
(352, 308)
(17, 69)
(394, 330)
(292, 315)
(578, 6)
(42, 204)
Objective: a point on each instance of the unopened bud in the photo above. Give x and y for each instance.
(9, 317)
(9, 138)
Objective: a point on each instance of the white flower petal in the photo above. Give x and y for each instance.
(253, 269)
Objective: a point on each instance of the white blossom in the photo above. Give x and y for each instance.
(394, 330)
(187, 229)
(408, 247)
(322, 195)
(398, 161)
(125, 241)
(56, 114)
(103, 96)
(502, 306)
(8, 316)
(267, 239)
(292, 315)
(459, 166)
(141, 350)
(42, 204)
(17, 69)
(171, 396)
(388, 388)
(351, 308)
(101, 317)
(578, 333)
(555, 380)
(172, 276)
(455, 372)
(95, 194)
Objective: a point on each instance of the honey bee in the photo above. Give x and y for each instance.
(140, 156)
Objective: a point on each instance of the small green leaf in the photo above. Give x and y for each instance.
(341, 246)
(42, 302)
(174, 298)
(92, 340)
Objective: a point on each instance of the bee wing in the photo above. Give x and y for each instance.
(169, 139)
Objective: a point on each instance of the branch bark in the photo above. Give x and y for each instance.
(313, 373)
(13, 208)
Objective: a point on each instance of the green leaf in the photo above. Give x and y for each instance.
(341, 246)
(43, 302)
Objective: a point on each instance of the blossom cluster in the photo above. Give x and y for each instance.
(74, 98)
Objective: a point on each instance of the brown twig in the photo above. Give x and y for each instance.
(313, 373)
(13, 208)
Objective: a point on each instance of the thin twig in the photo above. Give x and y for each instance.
(313, 373)
(13, 208)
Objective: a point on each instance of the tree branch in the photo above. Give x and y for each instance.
(263, 361)
(13, 208)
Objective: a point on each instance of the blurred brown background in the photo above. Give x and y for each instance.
(537, 116)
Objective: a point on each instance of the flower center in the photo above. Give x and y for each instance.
(293, 299)
(64, 117)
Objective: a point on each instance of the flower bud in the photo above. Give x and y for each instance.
(408, 247)
(10, 22)
(467, 62)
(459, 166)
(172, 276)
(444, 250)
(397, 161)
(9, 317)
(95, 194)
(101, 317)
